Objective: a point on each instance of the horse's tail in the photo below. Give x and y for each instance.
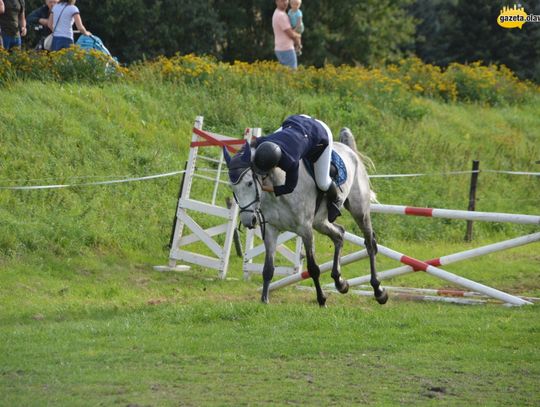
(346, 137)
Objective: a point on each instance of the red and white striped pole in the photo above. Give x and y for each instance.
(445, 275)
(452, 258)
(455, 214)
(414, 297)
(438, 292)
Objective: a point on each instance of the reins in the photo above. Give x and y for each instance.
(245, 208)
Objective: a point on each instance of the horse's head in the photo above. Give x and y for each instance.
(245, 185)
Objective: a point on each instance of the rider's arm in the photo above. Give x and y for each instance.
(2, 7)
(291, 179)
(267, 186)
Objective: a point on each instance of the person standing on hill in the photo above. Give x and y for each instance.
(297, 22)
(285, 38)
(61, 20)
(13, 23)
(40, 16)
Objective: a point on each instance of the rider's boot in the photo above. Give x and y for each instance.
(334, 202)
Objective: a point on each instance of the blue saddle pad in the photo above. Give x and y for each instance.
(338, 162)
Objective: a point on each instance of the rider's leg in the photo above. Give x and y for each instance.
(321, 168)
(333, 202)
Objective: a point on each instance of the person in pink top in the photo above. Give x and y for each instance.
(285, 38)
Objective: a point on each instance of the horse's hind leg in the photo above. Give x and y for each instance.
(336, 233)
(363, 219)
(313, 268)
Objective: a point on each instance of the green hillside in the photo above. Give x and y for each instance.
(71, 133)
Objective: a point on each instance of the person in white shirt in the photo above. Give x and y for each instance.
(61, 20)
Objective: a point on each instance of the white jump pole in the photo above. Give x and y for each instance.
(436, 292)
(455, 214)
(412, 297)
(452, 258)
(420, 265)
(295, 278)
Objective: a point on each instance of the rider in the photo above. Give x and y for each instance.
(300, 136)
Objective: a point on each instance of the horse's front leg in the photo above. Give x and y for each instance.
(371, 246)
(270, 243)
(313, 268)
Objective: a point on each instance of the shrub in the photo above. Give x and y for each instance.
(487, 84)
(69, 64)
(389, 86)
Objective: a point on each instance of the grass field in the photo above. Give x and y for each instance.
(85, 320)
(103, 331)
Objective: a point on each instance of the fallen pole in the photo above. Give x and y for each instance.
(452, 258)
(411, 297)
(441, 292)
(295, 278)
(445, 275)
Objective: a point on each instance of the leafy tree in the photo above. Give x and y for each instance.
(465, 31)
(367, 32)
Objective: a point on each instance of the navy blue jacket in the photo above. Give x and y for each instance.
(33, 19)
(300, 137)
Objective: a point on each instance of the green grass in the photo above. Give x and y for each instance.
(85, 320)
(106, 331)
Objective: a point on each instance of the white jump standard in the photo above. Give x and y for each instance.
(219, 259)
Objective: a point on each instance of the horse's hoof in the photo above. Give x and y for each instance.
(382, 297)
(264, 300)
(344, 287)
(322, 302)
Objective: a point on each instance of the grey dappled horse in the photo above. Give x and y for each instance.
(299, 212)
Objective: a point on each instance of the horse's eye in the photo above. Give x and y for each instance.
(250, 183)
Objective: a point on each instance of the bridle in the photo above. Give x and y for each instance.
(247, 208)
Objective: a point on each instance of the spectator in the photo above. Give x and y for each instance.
(13, 23)
(285, 38)
(40, 16)
(297, 22)
(61, 20)
(39, 19)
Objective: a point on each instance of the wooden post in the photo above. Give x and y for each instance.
(175, 215)
(472, 198)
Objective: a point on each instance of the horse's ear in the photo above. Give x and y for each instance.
(226, 155)
(247, 153)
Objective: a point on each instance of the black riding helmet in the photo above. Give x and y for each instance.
(267, 156)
